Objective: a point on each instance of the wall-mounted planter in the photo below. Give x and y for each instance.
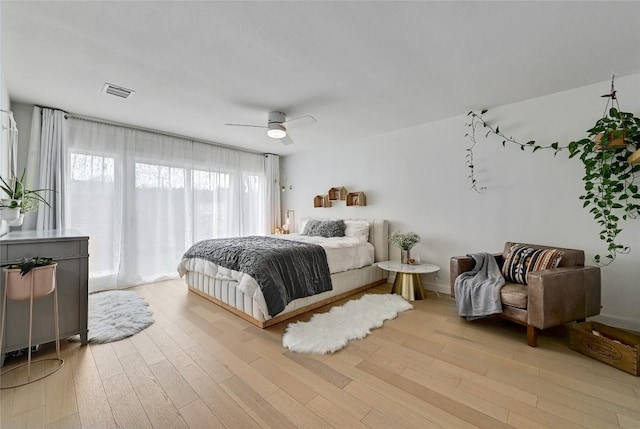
(18, 221)
(9, 214)
(9, 209)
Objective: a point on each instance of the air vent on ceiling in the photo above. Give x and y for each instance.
(116, 90)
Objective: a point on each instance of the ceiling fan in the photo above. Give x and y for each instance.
(277, 125)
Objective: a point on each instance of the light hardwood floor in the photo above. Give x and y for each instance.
(199, 366)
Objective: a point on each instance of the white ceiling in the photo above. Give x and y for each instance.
(361, 68)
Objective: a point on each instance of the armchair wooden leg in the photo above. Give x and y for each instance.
(532, 336)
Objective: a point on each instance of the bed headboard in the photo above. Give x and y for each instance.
(378, 236)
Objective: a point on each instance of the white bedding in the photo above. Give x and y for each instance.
(343, 254)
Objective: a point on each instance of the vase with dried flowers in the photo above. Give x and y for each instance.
(405, 241)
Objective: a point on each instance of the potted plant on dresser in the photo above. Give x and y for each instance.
(18, 200)
(39, 273)
(10, 204)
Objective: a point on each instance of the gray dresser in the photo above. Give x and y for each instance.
(70, 249)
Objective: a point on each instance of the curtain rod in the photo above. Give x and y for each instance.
(151, 131)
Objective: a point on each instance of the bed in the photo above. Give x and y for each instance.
(240, 294)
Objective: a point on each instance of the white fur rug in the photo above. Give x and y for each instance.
(331, 331)
(117, 314)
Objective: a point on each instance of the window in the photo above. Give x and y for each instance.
(92, 168)
(159, 176)
(92, 185)
(212, 198)
(209, 180)
(144, 198)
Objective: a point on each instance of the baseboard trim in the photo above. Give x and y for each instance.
(618, 322)
(434, 287)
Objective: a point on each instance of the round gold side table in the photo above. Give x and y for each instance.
(408, 282)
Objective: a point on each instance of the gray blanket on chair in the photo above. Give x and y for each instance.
(284, 269)
(478, 291)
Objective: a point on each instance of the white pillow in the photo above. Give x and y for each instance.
(357, 228)
(303, 224)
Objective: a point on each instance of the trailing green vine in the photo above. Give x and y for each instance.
(469, 150)
(610, 193)
(477, 124)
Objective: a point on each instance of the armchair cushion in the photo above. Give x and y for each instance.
(521, 259)
(514, 295)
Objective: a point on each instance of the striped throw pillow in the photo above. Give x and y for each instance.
(521, 260)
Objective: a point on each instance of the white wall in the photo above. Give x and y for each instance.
(22, 113)
(4, 148)
(417, 179)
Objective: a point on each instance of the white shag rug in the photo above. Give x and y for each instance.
(117, 314)
(331, 331)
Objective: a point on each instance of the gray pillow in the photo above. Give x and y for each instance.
(325, 228)
(311, 227)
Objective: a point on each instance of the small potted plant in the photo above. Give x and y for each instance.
(405, 241)
(39, 273)
(19, 200)
(10, 205)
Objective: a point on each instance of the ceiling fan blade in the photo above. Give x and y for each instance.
(286, 140)
(246, 125)
(301, 121)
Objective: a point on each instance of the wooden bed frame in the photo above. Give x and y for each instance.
(230, 298)
(282, 317)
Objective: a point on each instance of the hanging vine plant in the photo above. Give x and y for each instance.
(610, 154)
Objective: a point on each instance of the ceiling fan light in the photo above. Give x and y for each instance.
(276, 131)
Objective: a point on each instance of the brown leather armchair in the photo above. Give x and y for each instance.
(552, 297)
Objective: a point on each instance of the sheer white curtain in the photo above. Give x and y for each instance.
(274, 215)
(144, 198)
(33, 164)
(52, 165)
(46, 168)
